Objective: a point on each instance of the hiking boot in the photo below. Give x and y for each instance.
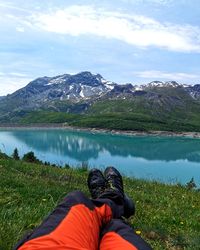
(96, 183)
(114, 182)
(129, 207)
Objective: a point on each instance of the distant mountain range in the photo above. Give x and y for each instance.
(83, 98)
(86, 85)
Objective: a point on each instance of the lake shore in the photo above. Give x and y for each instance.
(104, 131)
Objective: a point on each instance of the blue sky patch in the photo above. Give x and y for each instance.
(135, 41)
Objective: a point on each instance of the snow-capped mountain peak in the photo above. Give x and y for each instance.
(160, 84)
(172, 84)
(155, 84)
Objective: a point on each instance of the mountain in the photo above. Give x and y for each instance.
(82, 99)
(70, 87)
(58, 93)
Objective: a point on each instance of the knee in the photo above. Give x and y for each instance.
(78, 197)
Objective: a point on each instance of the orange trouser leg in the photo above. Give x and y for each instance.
(118, 235)
(74, 224)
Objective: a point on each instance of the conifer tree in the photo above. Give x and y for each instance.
(15, 154)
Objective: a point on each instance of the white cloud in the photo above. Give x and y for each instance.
(161, 2)
(16, 74)
(12, 81)
(11, 6)
(160, 75)
(158, 2)
(133, 29)
(20, 29)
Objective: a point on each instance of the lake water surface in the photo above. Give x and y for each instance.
(165, 159)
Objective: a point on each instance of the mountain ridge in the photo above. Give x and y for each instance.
(86, 78)
(91, 96)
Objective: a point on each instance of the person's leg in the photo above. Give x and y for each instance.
(118, 235)
(77, 221)
(74, 224)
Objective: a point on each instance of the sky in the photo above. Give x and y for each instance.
(126, 41)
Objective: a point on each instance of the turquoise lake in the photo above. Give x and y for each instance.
(165, 159)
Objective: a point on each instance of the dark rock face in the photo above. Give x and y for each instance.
(139, 93)
(86, 78)
(194, 91)
(122, 89)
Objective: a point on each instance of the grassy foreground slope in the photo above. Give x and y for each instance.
(168, 217)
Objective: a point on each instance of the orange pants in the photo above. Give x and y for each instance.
(79, 223)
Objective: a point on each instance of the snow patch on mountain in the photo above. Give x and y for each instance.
(57, 80)
(81, 92)
(137, 88)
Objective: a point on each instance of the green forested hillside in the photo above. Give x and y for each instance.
(122, 115)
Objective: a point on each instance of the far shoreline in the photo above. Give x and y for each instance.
(102, 131)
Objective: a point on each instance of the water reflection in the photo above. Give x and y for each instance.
(84, 146)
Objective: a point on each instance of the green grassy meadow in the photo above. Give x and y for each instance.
(168, 217)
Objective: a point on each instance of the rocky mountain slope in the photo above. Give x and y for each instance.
(90, 94)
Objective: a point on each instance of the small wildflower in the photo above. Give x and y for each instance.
(193, 206)
(137, 201)
(181, 222)
(138, 232)
(44, 199)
